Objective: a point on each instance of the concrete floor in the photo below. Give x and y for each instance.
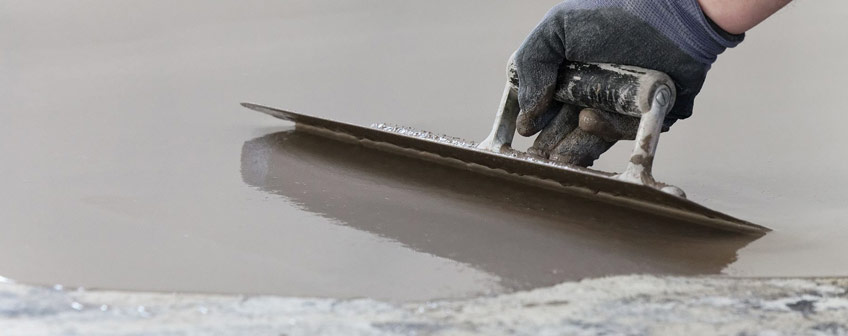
(630, 305)
(124, 152)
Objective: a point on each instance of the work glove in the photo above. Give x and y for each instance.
(671, 36)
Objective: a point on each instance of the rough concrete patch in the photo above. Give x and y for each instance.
(631, 305)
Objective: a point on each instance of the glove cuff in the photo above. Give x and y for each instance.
(723, 33)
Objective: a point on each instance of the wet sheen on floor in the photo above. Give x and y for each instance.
(127, 162)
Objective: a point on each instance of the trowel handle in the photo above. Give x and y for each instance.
(609, 87)
(642, 93)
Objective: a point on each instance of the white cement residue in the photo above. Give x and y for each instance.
(621, 305)
(411, 132)
(459, 142)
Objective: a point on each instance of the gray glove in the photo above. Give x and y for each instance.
(672, 36)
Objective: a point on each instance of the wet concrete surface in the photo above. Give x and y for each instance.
(128, 164)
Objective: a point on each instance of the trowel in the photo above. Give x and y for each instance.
(632, 91)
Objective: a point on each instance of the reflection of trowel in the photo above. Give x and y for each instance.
(620, 89)
(517, 232)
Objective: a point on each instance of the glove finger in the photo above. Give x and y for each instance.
(538, 63)
(539, 121)
(579, 148)
(561, 125)
(610, 126)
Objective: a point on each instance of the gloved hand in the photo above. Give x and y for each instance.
(672, 36)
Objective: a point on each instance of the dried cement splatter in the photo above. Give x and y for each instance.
(631, 305)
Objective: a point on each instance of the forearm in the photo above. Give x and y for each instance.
(738, 16)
